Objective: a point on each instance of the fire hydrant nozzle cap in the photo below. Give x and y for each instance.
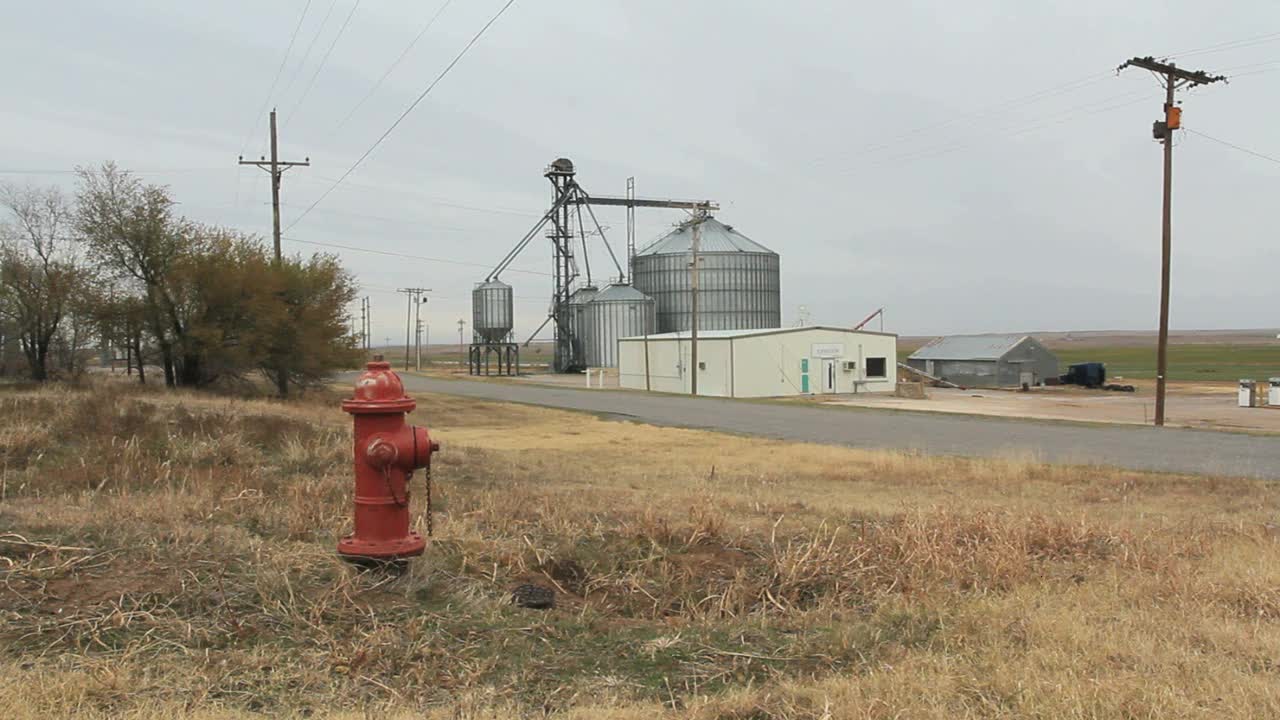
(378, 390)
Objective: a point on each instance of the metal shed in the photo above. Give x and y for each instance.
(766, 362)
(987, 360)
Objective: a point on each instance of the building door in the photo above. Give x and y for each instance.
(828, 375)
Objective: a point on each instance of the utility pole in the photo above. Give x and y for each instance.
(1173, 78)
(699, 215)
(368, 323)
(461, 323)
(417, 342)
(364, 323)
(415, 298)
(276, 167)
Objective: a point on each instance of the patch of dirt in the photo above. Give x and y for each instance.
(711, 561)
(75, 590)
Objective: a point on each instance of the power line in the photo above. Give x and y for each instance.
(404, 114)
(384, 218)
(311, 83)
(1032, 98)
(1249, 66)
(395, 64)
(267, 100)
(981, 112)
(73, 171)
(270, 91)
(1233, 146)
(283, 61)
(436, 296)
(1233, 76)
(1012, 130)
(1229, 45)
(307, 53)
(430, 199)
(390, 253)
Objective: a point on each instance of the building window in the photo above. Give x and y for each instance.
(876, 367)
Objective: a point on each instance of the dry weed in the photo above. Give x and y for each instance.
(167, 554)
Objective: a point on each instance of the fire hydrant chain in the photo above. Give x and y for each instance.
(400, 500)
(430, 513)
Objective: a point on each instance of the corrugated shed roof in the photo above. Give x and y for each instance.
(715, 237)
(968, 347)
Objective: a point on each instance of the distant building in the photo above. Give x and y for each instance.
(767, 362)
(987, 360)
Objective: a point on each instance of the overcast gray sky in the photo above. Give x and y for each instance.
(894, 154)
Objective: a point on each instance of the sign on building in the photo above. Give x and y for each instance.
(827, 350)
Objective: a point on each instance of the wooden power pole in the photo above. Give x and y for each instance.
(276, 167)
(411, 322)
(1173, 78)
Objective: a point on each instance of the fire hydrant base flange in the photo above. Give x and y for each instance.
(410, 546)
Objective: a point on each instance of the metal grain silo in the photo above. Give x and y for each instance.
(491, 311)
(616, 312)
(577, 310)
(738, 286)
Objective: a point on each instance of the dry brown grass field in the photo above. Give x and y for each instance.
(169, 555)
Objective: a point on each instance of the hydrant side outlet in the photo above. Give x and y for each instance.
(386, 452)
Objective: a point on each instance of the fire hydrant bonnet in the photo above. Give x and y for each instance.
(378, 390)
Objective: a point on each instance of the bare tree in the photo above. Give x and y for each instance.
(40, 275)
(133, 236)
(120, 320)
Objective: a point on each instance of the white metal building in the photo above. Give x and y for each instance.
(762, 363)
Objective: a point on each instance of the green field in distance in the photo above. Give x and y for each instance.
(1189, 362)
(1186, 362)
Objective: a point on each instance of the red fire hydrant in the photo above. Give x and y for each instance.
(387, 451)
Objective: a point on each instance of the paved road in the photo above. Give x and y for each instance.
(1139, 448)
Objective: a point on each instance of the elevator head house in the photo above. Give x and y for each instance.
(987, 360)
(764, 362)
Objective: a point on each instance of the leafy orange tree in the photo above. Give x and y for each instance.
(309, 337)
(242, 313)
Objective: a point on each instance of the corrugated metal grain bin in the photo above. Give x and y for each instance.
(738, 285)
(616, 312)
(491, 311)
(577, 320)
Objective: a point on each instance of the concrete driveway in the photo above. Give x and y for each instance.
(1137, 448)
